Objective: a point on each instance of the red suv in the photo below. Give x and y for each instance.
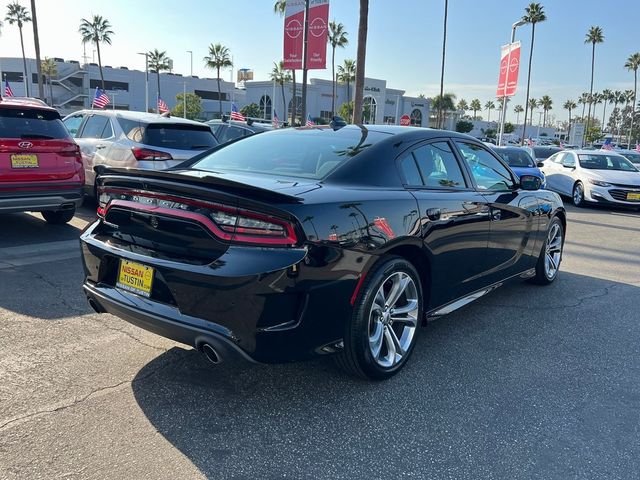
(40, 164)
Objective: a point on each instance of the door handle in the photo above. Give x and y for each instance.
(98, 147)
(434, 213)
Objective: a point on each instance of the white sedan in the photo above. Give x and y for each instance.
(593, 176)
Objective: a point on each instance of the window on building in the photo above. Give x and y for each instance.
(369, 110)
(416, 118)
(326, 114)
(298, 108)
(108, 85)
(265, 106)
(12, 76)
(389, 120)
(208, 95)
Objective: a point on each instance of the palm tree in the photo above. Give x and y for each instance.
(279, 7)
(360, 61)
(97, 30)
(443, 104)
(569, 105)
(547, 104)
(583, 99)
(475, 105)
(632, 64)
(36, 44)
(280, 76)
(444, 50)
(347, 74)
(489, 106)
(594, 35)
(49, 69)
(159, 61)
(533, 104)
(17, 14)
(462, 105)
(500, 104)
(337, 37)
(534, 13)
(607, 96)
(217, 59)
(518, 110)
(596, 98)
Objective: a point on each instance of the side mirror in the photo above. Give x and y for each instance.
(530, 182)
(540, 164)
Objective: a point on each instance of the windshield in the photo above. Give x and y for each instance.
(31, 123)
(516, 158)
(633, 157)
(312, 153)
(605, 162)
(545, 152)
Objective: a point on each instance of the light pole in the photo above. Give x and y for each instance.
(519, 23)
(146, 81)
(540, 114)
(191, 56)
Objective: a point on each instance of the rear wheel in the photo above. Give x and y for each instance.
(58, 217)
(578, 194)
(549, 261)
(383, 329)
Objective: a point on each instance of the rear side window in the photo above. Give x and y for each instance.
(410, 171)
(179, 136)
(31, 123)
(96, 127)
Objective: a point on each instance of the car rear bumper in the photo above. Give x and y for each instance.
(40, 200)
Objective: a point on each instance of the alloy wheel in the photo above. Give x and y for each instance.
(578, 194)
(553, 254)
(393, 319)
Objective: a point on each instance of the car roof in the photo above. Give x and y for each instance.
(254, 125)
(24, 102)
(138, 116)
(594, 152)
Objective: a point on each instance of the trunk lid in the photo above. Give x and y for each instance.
(36, 160)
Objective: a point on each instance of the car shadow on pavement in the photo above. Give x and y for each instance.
(21, 229)
(529, 381)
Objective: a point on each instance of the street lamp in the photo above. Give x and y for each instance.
(519, 23)
(146, 81)
(191, 55)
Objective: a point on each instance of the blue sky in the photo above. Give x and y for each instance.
(404, 43)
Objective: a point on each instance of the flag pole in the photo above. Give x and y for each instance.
(184, 99)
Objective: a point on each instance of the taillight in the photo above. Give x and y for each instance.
(148, 154)
(225, 222)
(74, 151)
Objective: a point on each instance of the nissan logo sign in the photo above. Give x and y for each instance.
(25, 144)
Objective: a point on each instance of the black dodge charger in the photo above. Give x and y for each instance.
(313, 241)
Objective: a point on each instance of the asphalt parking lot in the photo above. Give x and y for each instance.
(530, 382)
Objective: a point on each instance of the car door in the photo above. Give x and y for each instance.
(552, 168)
(454, 219)
(94, 140)
(567, 173)
(514, 212)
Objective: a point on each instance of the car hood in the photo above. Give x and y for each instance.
(614, 176)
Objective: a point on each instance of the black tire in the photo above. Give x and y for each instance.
(577, 196)
(357, 358)
(58, 217)
(543, 275)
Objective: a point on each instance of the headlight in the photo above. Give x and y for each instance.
(599, 183)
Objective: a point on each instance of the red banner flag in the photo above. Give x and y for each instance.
(293, 38)
(317, 34)
(509, 68)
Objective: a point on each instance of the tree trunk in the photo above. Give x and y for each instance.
(219, 94)
(517, 118)
(604, 109)
(360, 61)
(294, 100)
(348, 90)
(50, 91)
(100, 63)
(27, 81)
(593, 61)
(36, 42)
(569, 129)
(444, 47)
(284, 103)
(333, 81)
(158, 75)
(633, 106)
(488, 116)
(526, 104)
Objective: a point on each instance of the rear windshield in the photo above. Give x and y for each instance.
(545, 152)
(605, 162)
(166, 135)
(516, 158)
(633, 157)
(310, 153)
(31, 123)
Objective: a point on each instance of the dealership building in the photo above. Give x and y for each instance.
(74, 86)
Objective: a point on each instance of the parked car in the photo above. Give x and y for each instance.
(632, 155)
(228, 130)
(541, 153)
(520, 162)
(593, 176)
(117, 138)
(305, 242)
(40, 164)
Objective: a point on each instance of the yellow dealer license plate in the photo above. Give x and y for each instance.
(24, 161)
(135, 277)
(633, 196)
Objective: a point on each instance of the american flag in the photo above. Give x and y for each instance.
(100, 100)
(607, 144)
(235, 114)
(162, 106)
(275, 122)
(7, 89)
(637, 147)
(310, 123)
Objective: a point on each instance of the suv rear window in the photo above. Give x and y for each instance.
(545, 152)
(31, 123)
(179, 136)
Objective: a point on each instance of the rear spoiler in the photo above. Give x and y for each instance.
(208, 179)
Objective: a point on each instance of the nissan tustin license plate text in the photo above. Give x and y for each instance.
(135, 277)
